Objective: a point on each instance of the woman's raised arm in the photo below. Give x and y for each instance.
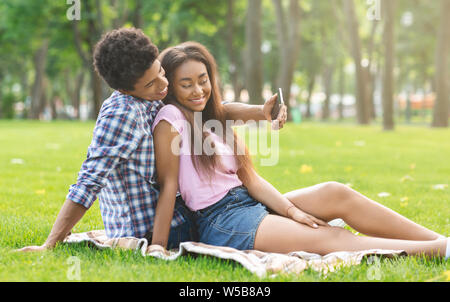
(238, 111)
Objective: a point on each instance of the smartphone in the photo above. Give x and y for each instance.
(278, 104)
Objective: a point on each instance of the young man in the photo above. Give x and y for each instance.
(120, 167)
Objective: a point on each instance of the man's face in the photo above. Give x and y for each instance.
(152, 86)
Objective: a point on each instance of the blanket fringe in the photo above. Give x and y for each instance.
(259, 263)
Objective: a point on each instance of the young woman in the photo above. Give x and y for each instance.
(230, 199)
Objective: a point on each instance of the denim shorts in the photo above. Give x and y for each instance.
(187, 231)
(232, 221)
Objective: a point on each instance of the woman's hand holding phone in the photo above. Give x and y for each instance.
(275, 111)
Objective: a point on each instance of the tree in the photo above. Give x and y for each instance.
(38, 90)
(91, 33)
(388, 73)
(253, 55)
(341, 85)
(370, 76)
(441, 107)
(231, 50)
(362, 112)
(331, 50)
(310, 62)
(288, 29)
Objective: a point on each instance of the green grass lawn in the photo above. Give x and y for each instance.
(39, 161)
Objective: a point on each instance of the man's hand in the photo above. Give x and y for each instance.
(67, 218)
(282, 115)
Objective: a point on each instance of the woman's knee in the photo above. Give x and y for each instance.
(339, 195)
(337, 190)
(336, 187)
(332, 240)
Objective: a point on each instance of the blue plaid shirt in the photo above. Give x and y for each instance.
(120, 167)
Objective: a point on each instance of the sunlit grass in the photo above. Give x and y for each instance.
(39, 161)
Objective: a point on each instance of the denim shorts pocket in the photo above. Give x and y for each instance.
(233, 228)
(235, 202)
(234, 218)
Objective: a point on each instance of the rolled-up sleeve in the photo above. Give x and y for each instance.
(116, 136)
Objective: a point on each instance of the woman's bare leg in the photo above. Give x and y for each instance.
(282, 235)
(332, 200)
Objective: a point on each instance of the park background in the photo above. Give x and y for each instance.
(362, 60)
(368, 86)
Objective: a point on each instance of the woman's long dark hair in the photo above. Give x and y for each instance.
(171, 59)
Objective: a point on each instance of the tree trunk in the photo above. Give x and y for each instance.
(341, 90)
(120, 19)
(253, 36)
(328, 86)
(94, 28)
(370, 94)
(388, 74)
(288, 29)
(311, 85)
(442, 103)
(137, 16)
(370, 77)
(44, 96)
(361, 92)
(39, 61)
(233, 68)
(77, 94)
(1, 96)
(54, 114)
(96, 94)
(74, 91)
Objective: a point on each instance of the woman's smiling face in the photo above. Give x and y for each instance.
(191, 85)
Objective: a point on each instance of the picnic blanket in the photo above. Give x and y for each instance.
(260, 263)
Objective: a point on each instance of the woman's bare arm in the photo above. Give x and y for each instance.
(167, 166)
(264, 192)
(236, 111)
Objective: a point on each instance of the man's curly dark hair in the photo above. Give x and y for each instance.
(122, 56)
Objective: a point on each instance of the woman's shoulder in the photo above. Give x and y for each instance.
(171, 114)
(170, 111)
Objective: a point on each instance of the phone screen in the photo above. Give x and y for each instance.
(280, 96)
(277, 106)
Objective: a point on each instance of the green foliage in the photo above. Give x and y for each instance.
(324, 41)
(417, 55)
(7, 106)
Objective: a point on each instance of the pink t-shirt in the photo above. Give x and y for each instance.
(197, 190)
